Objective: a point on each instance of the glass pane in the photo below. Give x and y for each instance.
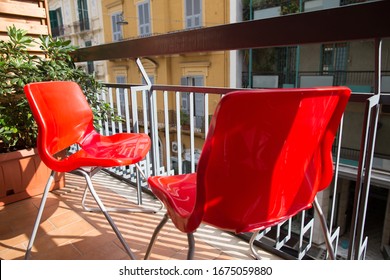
(59, 16)
(341, 57)
(197, 21)
(113, 23)
(199, 104)
(141, 14)
(146, 13)
(196, 7)
(198, 81)
(53, 19)
(189, 8)
(120, 79)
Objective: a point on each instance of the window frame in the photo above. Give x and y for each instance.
(199, 98)
(334, 61)
(117, 32)
(90, 64)
(56, 22)
(144, 24)
(82, 8)
(193, 19)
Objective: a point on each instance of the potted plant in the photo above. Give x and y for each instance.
(18, 130)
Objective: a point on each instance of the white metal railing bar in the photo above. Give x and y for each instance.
(336, 172)
(127, 111)
(364, 176)
(192, 139)
(167, 134)
(206, 114)
(111, 102)
(118, 108)
(303, 229)
(280, 243)
(335, 240)
(106, 128)
(178, 133)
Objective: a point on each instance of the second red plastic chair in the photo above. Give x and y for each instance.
(267, 154)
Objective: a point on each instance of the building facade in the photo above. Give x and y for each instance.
(81, 22)
(125, 20)
(132, 19)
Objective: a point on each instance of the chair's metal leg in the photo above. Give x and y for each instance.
(85, 207)
(138, 183)
(325, 230)
(39, 215)
(140, 171)
(155, 234)
(117, 209)
(191, 246)
(252, 245)
(105, 212)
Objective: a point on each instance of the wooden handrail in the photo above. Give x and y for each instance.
(353, 22)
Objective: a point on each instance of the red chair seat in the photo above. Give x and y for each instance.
(107, 151)
(179, 194)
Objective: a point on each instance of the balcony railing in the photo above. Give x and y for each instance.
(363, 81)
(155, 109)
(178, 146)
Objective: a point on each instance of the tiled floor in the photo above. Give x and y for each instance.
(69, 232)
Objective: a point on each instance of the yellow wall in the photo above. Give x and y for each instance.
(168, 16)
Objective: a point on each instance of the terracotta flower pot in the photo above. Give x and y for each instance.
(23, 175)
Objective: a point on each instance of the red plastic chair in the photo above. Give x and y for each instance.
(65, 118)
(267, 154)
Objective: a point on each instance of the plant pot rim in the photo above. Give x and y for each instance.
(19, 153)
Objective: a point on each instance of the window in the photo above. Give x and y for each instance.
(56, 25)
(144, 18)
(334, 61)
(83, 14)
(90, 66)
(198, 100)
(116, 28)
(193, 13)
(285, 58)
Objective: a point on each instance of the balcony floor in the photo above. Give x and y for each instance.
(69, 232)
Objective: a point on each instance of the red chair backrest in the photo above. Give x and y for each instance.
(62, 113)
(267, 154)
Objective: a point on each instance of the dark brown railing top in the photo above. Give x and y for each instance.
(368, 20)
